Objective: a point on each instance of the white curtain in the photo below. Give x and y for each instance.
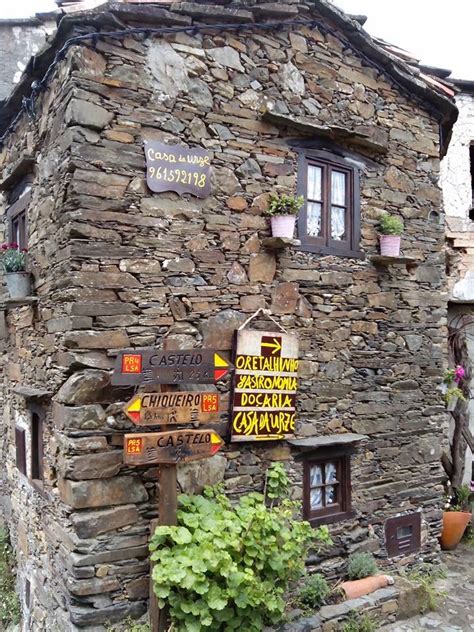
(338, 201)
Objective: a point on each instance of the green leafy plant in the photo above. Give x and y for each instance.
(9, 602)
(131, 626)
(468, 537)
(314, 592)
(426, 576)
(284, 205)
(227, 566)
(462, 499)
(276, 482)
(13, 258)
(361, 565)
(390, 225)
(454, 393)
(359, 623)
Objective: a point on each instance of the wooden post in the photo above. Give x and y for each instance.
(167, 515)
(167, 510)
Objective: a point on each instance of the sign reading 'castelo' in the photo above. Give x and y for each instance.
(170, 447)
(177, 168)
(153, 366)
(265, 383)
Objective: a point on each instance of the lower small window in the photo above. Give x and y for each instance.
(326, 489)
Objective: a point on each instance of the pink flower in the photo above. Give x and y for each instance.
(14, 245)
(459, 374)
(4, 246)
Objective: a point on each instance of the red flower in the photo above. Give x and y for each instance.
(14, 245)
(24, 250)
(4, 246)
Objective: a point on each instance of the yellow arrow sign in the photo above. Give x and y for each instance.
(275, 345)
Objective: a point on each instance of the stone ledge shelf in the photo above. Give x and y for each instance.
(29, 392)
(18, 302)
(324, 441)
(279, 243)
(381, 260)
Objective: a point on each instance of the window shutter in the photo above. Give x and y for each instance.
(20, 443)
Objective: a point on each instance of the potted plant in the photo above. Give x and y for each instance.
(283, 210)
(14, 262)
(456, 516)
(390, 229)
(451, 391)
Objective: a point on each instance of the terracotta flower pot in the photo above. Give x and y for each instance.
(360, 587)
(283, 226)
(390, 245)
(454, 525)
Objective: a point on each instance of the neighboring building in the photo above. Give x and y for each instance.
(19, 40)
(457, 182)
(279, 105)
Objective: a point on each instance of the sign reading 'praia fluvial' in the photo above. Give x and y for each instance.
(265, 383)
(177, 168)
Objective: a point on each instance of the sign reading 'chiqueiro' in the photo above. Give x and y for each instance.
(178, 407)
(264, 386)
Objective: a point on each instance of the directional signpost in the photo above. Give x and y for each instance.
(178, 446)
(153, 366)
(167, 407)
(178, 407)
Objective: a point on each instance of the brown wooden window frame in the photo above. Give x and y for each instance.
(342, 509)
(324, 244)
(36, 445)
(20, 449)
(17, 219)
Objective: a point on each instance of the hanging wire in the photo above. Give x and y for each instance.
(28, 103)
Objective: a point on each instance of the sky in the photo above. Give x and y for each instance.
(438, 36)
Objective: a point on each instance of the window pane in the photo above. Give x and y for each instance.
(315, 476)
(313, 219)
(338, 223)
(331, 495)
(338, 188)
(314, 183)
(316, 498)
(331, 473)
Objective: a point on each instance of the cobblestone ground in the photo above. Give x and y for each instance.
(456, 610)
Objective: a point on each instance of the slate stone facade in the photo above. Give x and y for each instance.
(117, 266)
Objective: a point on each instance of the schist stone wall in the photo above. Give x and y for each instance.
(116, 266)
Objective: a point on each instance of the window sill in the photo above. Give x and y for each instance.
(381, 260)
(324, 251)
(330, 518)
(279, 243)
(10, 303)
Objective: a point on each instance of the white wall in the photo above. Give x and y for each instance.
(455, 178)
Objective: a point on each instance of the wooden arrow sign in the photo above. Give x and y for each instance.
(153, 366)
(178, 407)
(178, 446)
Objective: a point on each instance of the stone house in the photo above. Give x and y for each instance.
(457, 182)
(284, 97)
